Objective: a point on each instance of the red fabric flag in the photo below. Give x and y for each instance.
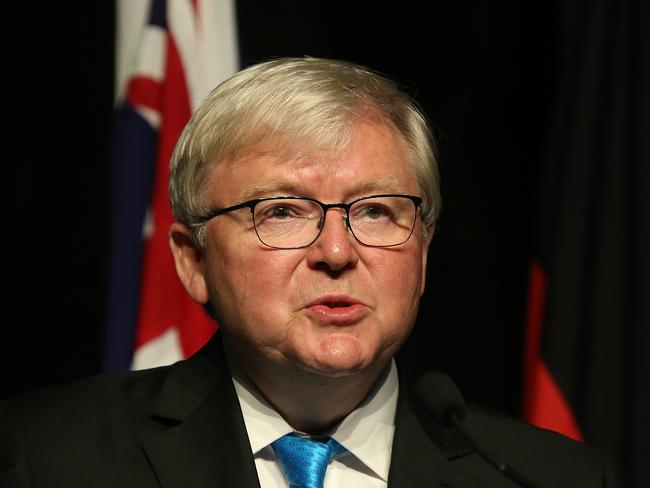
(186, 48)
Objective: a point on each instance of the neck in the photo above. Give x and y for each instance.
(309, 402)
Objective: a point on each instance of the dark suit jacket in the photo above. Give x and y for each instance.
(181, 426)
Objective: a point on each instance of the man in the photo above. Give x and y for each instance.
(306, 194)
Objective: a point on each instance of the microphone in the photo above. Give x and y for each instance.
(440, 398)
(445, 404)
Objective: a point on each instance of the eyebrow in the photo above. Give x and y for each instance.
(384, 184)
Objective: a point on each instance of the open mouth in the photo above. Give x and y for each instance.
(334, 301)
(337, 309)
(338, 304)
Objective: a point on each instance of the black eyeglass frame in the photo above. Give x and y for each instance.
(417, 201)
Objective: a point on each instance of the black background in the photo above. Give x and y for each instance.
(482, 71)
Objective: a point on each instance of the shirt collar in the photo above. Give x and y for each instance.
(367, 432)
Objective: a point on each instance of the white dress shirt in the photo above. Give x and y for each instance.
(366, 433)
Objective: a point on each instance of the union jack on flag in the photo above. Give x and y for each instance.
(185, 49)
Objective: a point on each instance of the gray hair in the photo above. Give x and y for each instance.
(305, 104)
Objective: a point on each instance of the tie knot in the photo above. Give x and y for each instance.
(304, 460)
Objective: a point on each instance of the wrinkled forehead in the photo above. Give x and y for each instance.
(372, 159)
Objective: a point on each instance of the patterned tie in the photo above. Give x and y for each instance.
(305, 460)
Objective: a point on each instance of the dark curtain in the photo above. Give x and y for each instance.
(595, 227)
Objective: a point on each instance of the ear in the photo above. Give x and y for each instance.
(188, 258)
(425, 252)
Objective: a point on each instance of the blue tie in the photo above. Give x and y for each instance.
(304, 460)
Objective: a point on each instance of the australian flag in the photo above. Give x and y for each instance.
(185, 49)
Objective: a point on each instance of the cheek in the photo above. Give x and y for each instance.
(244, 285)
(268, 275)
(399, 276)
(397, 283)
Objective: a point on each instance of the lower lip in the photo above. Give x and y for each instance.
(348, 313)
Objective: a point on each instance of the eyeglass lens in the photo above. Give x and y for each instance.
(375, 221)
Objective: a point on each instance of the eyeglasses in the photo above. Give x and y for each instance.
(296, 222)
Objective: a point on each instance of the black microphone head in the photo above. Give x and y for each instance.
(440, 397)
(442, 400)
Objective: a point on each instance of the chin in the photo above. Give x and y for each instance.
(333, 370)
(338, 356)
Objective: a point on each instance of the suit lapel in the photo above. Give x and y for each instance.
(206, 444)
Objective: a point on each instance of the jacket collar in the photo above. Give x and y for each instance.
(206, 444)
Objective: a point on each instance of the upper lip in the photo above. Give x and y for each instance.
(335, 300)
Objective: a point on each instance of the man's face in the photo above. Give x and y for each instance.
(334, 308)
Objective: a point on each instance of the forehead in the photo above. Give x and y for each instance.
(375, 160)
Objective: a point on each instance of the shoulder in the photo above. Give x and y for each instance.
(538, 456)
(63, 432)
(80, 401)
(499, 429)
(491, 447)
(123, 395)
(93, 432)
(88, 410)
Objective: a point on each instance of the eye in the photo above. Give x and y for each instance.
(279, 212)
(375, 212)
(284, 210)
(371, 212)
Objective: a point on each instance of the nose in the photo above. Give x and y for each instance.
(336, 248)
